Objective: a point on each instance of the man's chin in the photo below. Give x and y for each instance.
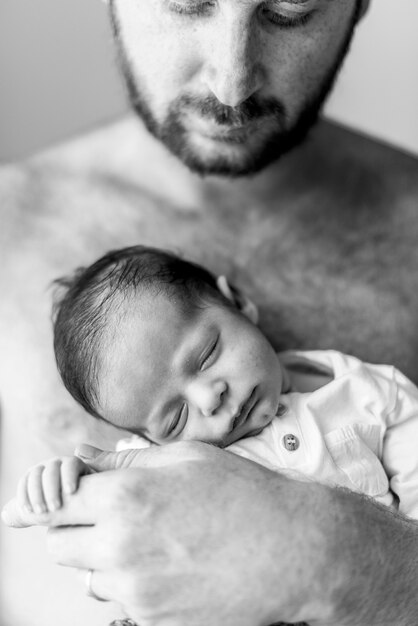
(220, 160)
(221, 155)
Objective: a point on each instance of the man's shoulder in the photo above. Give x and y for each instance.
(37, 186)
(368, 166)
(91, 151)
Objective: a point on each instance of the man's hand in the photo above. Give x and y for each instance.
(191, 535)
(18, 514)
(196, 536)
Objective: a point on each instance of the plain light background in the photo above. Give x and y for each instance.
(58, 75)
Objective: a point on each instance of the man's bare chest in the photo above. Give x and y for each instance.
(324, 276)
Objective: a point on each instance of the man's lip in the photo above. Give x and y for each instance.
(245, 410)
(231, 135)
(224, 132)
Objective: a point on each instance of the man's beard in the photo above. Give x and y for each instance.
(278, 141)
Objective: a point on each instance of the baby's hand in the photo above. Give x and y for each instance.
(43, 486)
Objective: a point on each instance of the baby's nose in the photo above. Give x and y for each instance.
(213, 399)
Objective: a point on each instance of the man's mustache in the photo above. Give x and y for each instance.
(248, 111)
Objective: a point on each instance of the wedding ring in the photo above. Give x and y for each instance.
(89, 590)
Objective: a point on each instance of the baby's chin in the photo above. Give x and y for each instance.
(251, 431)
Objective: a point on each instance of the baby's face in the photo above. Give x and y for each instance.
(212, 378)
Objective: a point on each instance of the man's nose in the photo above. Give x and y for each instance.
(234, 71)
(207, 396)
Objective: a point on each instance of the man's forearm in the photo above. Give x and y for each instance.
(374, 561)
(357, 559)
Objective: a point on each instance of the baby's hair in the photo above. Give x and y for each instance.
(91, 303)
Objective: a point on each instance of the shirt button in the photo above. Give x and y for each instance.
(281, 410)
(290, 442)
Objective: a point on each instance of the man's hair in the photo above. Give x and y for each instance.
(92, 301)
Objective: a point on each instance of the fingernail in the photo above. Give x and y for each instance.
(69, 488)
(55, 505)
(86, 451)
(39, 509)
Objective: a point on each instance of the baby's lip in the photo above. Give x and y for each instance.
(244, 410)
(253, 433)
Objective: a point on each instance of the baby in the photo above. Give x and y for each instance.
(161, 348)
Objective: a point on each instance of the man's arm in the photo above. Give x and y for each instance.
(195, 536)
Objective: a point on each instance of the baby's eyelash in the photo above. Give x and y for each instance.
(176, 420)
(209, 354)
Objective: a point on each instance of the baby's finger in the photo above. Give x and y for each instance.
(22, 493)
(51, 482)
(71, 469)
(85, 509)
(35, 490)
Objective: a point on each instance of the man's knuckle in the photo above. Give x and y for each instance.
(126, 458)
(121, 489)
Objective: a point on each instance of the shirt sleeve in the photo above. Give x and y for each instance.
(400, 445)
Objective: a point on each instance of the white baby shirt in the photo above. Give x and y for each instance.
(358, 431)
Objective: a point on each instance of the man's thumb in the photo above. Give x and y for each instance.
(103, 460)
(97, 459)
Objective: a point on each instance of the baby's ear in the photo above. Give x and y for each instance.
(238, 299)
